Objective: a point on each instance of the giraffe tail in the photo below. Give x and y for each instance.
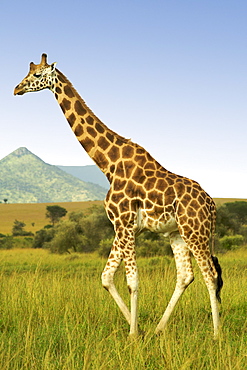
(219, 281)
(217, 266)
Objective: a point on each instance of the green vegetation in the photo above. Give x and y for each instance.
(33, 214)
(55, 213)
(90, 230)
(55, 315)
(231, 225)
(25, 178)
(82, 232)
(18, 229)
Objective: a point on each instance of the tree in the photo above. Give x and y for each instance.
(94, 226)
(231, 217)
(54, 213)
(18, 229)
(66, 238)
(226, 223)
(43, 236)
(239, 210)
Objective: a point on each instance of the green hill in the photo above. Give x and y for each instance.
(25, 178)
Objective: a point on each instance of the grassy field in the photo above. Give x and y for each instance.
(55, 315)
(30, 213)
(34, 213)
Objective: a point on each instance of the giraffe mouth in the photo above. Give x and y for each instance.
(18, 91)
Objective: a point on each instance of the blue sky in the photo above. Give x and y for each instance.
(170, 75)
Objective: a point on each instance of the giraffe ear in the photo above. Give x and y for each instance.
(53, 66)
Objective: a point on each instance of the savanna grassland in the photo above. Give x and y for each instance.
(33, 214)
(54, 314)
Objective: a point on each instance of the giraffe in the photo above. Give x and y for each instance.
(143, 196)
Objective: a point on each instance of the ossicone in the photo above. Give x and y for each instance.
(43, 59)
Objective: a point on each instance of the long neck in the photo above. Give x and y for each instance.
(112, 153)
(101, 143)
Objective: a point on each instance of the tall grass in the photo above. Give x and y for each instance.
(54, 314)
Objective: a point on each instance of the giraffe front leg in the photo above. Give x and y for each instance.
(132, 282)
(124, 249)
(107, 278)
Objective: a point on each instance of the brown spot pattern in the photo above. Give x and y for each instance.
(113, 153)
(138, 180)
(87, 144)
(78, 130)
(103, 143)
(68, 91)
(71, 119)
(80, 110)
(142, 192)
(65, 105)
(91, 131)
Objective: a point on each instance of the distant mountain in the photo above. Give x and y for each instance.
(25, 178)
(87, 173)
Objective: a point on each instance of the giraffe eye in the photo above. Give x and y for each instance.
(38, 75)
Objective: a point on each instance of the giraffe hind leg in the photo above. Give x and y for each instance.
(219, 277)
(185, 276)
(211, 271)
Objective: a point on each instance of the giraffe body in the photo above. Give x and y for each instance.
(142, 196)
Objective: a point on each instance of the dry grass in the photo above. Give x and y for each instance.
(220, 201)
(34, 213)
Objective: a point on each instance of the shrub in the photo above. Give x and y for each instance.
(105, 247)
(23, 242)
(231, 242)
(151, 244)
(243, 231)
(66, 239)
(43, 236)
(7, 242)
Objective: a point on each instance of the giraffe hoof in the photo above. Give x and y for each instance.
(158, 331)
(139, 334)
(133, 337)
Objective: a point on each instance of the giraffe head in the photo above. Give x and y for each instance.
(40, 76)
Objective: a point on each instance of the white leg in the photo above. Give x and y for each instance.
(132, 282)
(123, 250)
(107, 277)
(184, 276)
(215, 313)
(210, 277)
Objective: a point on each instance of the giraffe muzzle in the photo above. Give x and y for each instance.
(19, 90)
